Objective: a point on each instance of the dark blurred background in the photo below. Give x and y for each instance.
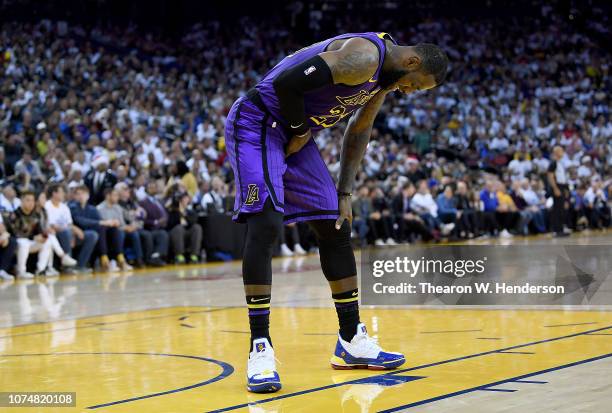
(172, 16)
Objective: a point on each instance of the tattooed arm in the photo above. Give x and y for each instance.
(354, 144)
(354, 62)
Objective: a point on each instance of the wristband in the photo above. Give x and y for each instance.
(303, 135)
(344, 194)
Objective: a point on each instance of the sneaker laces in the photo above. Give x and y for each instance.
(261, 362)
(371, 344)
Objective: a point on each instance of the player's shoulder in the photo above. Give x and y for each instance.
(363, 47)
(354, 62)
(361, 43)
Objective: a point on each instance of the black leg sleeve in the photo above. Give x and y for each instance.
(263, 231)
(335, 249)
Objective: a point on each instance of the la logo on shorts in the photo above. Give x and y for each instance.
(252, 195)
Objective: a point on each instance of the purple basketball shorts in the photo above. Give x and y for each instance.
(300, 186)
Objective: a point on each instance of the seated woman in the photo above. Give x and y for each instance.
(185, 232)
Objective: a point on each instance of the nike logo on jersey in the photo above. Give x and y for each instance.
(295, 127)
(372, 80)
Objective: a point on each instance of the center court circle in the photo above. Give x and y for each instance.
(227, 370)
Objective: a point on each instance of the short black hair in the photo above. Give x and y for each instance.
(27, 192)
(434, 60)
(53, 188)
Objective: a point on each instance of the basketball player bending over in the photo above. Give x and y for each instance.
(281, 177)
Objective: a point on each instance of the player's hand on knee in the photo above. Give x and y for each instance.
(345, 207)
(296, 143)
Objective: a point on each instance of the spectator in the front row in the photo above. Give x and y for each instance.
(534, 204)
(155, 242)
(156, 218)
(59, 219)
(8, 246)
(27, 225)
(469, 215)
(489, 205)
(408, 222)
(382, 219)
(596, 205)
(423, 204)
(447, 208)
(111, 211)
(185, 232)
(87, 217)
(507, 213)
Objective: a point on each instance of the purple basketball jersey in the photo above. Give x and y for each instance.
(326, 106)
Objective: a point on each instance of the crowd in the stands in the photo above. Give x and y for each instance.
(112, 140)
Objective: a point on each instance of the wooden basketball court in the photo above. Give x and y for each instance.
(176, 340)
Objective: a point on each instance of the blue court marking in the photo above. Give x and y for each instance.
(497, 383)
(227, 370)
(394, 372)
(502, 390)
(530, 381)
(515, 352)
(388, 381)
(573, 324)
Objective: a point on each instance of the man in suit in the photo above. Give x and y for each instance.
(156, 214)
(155, 221)
(99, 179)
(408, 222)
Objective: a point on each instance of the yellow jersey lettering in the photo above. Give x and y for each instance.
(337, 113)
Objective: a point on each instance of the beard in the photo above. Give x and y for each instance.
(387, 78)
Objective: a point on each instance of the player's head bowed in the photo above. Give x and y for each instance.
(420, 67)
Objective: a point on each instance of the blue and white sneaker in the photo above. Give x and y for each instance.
(261, 369)
(363, 352)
